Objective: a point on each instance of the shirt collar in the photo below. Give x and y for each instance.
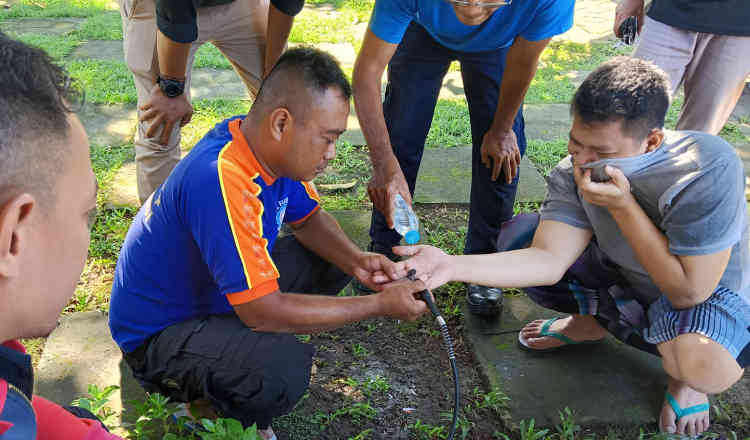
(15, 367)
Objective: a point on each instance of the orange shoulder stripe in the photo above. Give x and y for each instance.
(245, 213)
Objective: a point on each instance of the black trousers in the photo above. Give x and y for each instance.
(246, 375)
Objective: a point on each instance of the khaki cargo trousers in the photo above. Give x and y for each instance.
(237, 29)
(712, 68)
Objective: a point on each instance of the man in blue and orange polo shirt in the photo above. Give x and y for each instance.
(196, 303)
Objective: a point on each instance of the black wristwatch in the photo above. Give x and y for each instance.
(171, 87)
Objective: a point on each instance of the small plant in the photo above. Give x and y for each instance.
(153, 410)
(529, 433)
(425, 431)
(303, 338)
(567, 429)
(96, 402)
(227, 429)
(463, 425)
(495, 400)
(359, 351)
(375, 384)
(371, 327)
(358, 411)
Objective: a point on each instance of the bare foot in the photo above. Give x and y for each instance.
(692, 424)
(579, 328)
(267, 434)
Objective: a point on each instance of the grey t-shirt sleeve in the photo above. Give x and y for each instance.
(708, 214)
(562, 203)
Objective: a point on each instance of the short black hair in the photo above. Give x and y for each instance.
(310, 68)
(36, 96)
(628, 89)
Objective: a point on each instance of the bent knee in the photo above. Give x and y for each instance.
(701, 362)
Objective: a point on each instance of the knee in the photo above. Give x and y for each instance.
(702, 363)
(286, 376)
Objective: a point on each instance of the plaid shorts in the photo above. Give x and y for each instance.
(593, 286)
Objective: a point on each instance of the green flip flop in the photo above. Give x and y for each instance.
(545, 331)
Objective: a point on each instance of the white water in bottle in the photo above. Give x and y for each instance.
(405, 221)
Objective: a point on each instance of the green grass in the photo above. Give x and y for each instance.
(546, 154)
(105, 82)
(338, 26)
(209, 56)
(103, 26)
(208, 113)
(56, 8)
(56, 47)
(451, 125)
(551, 84)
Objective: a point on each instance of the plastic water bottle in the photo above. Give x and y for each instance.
(405, 221)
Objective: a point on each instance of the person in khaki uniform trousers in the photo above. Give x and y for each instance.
(701, 44)
(160, 40)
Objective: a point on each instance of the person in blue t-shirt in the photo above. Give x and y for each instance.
(498, 43)
(197, 305)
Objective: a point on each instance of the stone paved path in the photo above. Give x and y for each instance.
(80, 352)
(606, 384)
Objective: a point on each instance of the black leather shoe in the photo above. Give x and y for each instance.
(378, 249)
(484, 301)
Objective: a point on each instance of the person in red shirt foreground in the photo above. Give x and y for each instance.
(47, 205)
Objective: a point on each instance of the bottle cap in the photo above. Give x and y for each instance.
(412, 237)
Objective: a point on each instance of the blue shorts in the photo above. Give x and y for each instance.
(593, 286)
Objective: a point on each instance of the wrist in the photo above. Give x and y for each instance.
(623, 208)
(170, 86)
(385, 163)
(501, 129)
(451, 263)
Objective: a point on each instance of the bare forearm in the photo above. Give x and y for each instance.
(299, 313)
(520, 68)
(519, 268)
(652, 251)
(279, 26)
(172, 56)
(323, 235)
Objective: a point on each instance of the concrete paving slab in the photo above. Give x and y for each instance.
(109, 124)
(123, 193)
(79, 352)
(105, 50)
(445, 177)
(547, 122)
(577, 76)
(453, 86)
(593, 20)
(45, 26)
(207, 83)
(604, 384)
(356, 224)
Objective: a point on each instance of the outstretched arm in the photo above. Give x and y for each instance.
(555, 248)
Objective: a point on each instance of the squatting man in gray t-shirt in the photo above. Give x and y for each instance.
(656, 255)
